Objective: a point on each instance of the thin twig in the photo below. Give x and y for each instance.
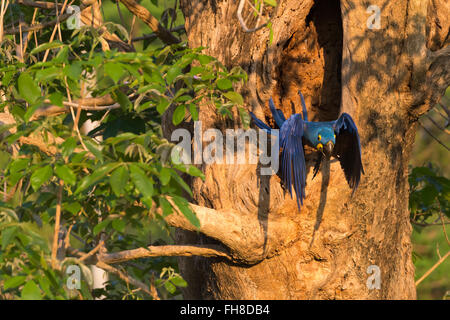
(67, 239)
(437, 124)
(443, 227)
(242, 22)
(29, 35)
(428, 224)
(40, 26)
(93, 251)
(3, 8)
(127, 279)
(54, 30)
(57, 224)
(432, 268)
(427, 131)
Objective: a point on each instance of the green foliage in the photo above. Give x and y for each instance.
(429, 206)
(116, 177)
(429, 194)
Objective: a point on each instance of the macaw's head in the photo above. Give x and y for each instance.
(325, 140)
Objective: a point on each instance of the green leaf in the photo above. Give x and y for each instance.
(181, 182)
(101, 226)
(204, 59)
(96, 176)
(170, 287)
(122, 99)
(40, 176)
(183, 205)
(245, 117)
(56, 98)
(196, 172)
(14, 282)
(94, 149)
(44, 283)
(30, 111)
(68, 146)
(162, 105)
(46, 46)
(114, 70)
(16, 167)
(118, 224)
(194, 111)
(179, 282)
(45, 75)
(164, 176)
(272, 3)
(141, 181)
(178, 115)
(166, 206)
(66, 174)
(7, 235)
(234, 97)
(62, 56)
(31, 291)
(73, 207)
(73, 71)
(118, 180)
(173, 72)
(5, 157)
(28, 89)
(429, 193)
(269, 25)
(224, 84)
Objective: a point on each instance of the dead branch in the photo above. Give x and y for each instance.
(248, 239)
(210, 251)
(152, 36)
(142, 13)
(39, 4)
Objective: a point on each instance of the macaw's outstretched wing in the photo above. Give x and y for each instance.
(293, 168)
(260, 124)
(277, 114)
(305, 113)
(348, 149)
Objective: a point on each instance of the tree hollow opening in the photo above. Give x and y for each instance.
(311, 62)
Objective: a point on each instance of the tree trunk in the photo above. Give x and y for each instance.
(385, 78)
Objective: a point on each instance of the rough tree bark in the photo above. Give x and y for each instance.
(385, 78)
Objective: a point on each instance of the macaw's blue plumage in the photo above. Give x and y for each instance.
(337, 138)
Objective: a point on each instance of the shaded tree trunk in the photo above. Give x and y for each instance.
(385, 78)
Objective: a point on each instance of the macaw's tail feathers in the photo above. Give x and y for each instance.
(259, 123)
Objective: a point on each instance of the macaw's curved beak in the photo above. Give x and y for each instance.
(328, 149)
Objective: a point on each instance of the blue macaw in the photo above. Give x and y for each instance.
(338, 138)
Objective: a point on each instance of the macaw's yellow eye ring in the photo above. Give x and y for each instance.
(319, 137)
(335, 136)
